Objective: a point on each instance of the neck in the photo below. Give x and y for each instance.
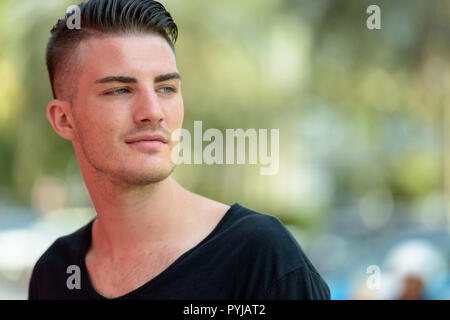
(131, 218)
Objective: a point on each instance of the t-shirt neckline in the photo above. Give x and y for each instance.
(87, 237)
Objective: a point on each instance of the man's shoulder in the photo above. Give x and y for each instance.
(263, 233)
(64, 250)
(49, 272)
(262, 227)
(266, 250)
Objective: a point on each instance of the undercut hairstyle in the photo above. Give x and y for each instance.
(100, 18)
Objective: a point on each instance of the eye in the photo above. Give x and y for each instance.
(167, 90)
(117, 92)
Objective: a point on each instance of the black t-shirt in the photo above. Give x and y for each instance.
(249, 256)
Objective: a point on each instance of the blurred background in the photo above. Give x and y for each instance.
(363, 181)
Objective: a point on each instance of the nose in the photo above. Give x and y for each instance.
(148, 110)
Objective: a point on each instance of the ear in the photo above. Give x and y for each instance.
(60, 116)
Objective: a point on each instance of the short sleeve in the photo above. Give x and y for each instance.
(298, 284)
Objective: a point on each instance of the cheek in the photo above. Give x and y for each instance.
(99, 124)
(175, 114)
(99, 131)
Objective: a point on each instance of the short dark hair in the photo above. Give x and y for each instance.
(105, 17)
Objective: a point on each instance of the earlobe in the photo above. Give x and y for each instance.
(58, 114)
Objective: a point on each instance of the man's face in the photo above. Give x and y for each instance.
(128, 88)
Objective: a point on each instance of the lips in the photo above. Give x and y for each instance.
(147, 137)
(147, 142)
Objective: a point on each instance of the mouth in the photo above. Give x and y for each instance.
(148, 142)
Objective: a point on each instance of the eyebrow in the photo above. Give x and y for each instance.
(168, 76)
(124, 79)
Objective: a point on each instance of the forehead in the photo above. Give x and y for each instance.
(125, 55)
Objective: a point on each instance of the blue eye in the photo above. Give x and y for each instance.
(118, 92)
(167, 90)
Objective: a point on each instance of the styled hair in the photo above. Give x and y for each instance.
(104, 17)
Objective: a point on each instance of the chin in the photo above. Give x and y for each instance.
(149, 176)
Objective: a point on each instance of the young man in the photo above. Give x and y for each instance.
(117, 97)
